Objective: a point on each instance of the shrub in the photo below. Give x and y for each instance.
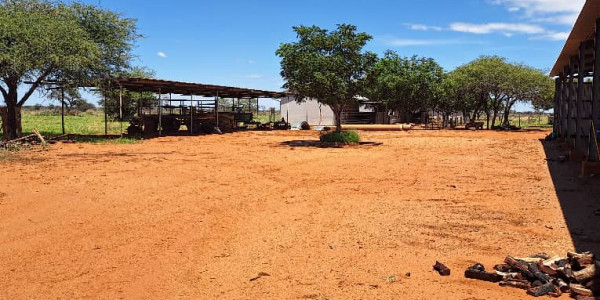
(341, 137)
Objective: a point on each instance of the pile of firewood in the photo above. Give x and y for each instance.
(541, 275)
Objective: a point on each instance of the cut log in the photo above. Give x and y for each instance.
(567, 272)
(518, 284)
(42, 140)
(441, 268)
(511, 275)
(522, 266)
(545, 278)
(475, 272)
(562, 285)
(543, 256)
(586, 274)
(543, 290)
(561, 263)
(581, 259)
(578, 289)
(505, 268)
(549, 267)
(529, 260)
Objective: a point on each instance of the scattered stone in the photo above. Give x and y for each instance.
(441, 268)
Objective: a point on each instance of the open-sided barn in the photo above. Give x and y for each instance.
(577, 100)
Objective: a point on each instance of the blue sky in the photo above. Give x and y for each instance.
(233, 42)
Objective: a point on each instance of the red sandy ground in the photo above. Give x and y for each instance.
(198, 217)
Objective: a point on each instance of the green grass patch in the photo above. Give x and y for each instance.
(86, 124)
(104, 140)
(342, 137)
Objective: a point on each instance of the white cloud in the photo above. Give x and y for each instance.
(423, 27)
(552, 36)
(550, 11)
(505, 28)
(254, 76)
(251, 61)
(161, 54)
(416, 42)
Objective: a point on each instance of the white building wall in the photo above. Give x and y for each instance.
(310, 110)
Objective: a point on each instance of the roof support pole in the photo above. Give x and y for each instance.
(191, 114)
(594, 155)
(572, 130)
(565, 104)
(106, 91)
(557, 105)
(62, 110)
(217, 111)
(139, 103)
(159, 112)
(121, 109)
(580, 141)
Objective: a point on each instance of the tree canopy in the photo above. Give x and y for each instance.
(329, 66)
(492, 85)
(407, 84)
(42, 39)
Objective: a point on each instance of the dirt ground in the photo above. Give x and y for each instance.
(202, 217)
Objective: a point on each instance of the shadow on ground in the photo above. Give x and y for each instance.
(579, 199)
(319, 144)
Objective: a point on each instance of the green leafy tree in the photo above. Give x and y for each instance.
(130, 99)
(42, 39)
(327, 66)
(406, 84)
(492, 85)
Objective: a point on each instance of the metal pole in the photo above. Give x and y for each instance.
(121, 109)
(217, 110)
(159, 112)
(191, 114)
(106, 111)
(140, 105)
(62, 114)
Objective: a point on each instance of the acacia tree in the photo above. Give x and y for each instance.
(405, 84)
(327, 66)
(130, 99)
(42, 39)
(493, 86)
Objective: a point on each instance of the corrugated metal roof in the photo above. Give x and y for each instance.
(583, 30)
(188, 88)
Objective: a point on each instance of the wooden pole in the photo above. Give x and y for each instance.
(557, 106)
(572, 103)
(121, 109)
(159, 112)
(565, 98)
(594, 155)
(580, 144)
(62, 114)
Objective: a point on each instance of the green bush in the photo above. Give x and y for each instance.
(343, 137)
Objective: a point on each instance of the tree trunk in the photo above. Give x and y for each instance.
(12, 128)
(337, 112)
(506, 115)
(494, 117)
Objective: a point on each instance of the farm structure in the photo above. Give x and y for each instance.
(316, 113)
(367, 112)
(196, 106)
(577, 98)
